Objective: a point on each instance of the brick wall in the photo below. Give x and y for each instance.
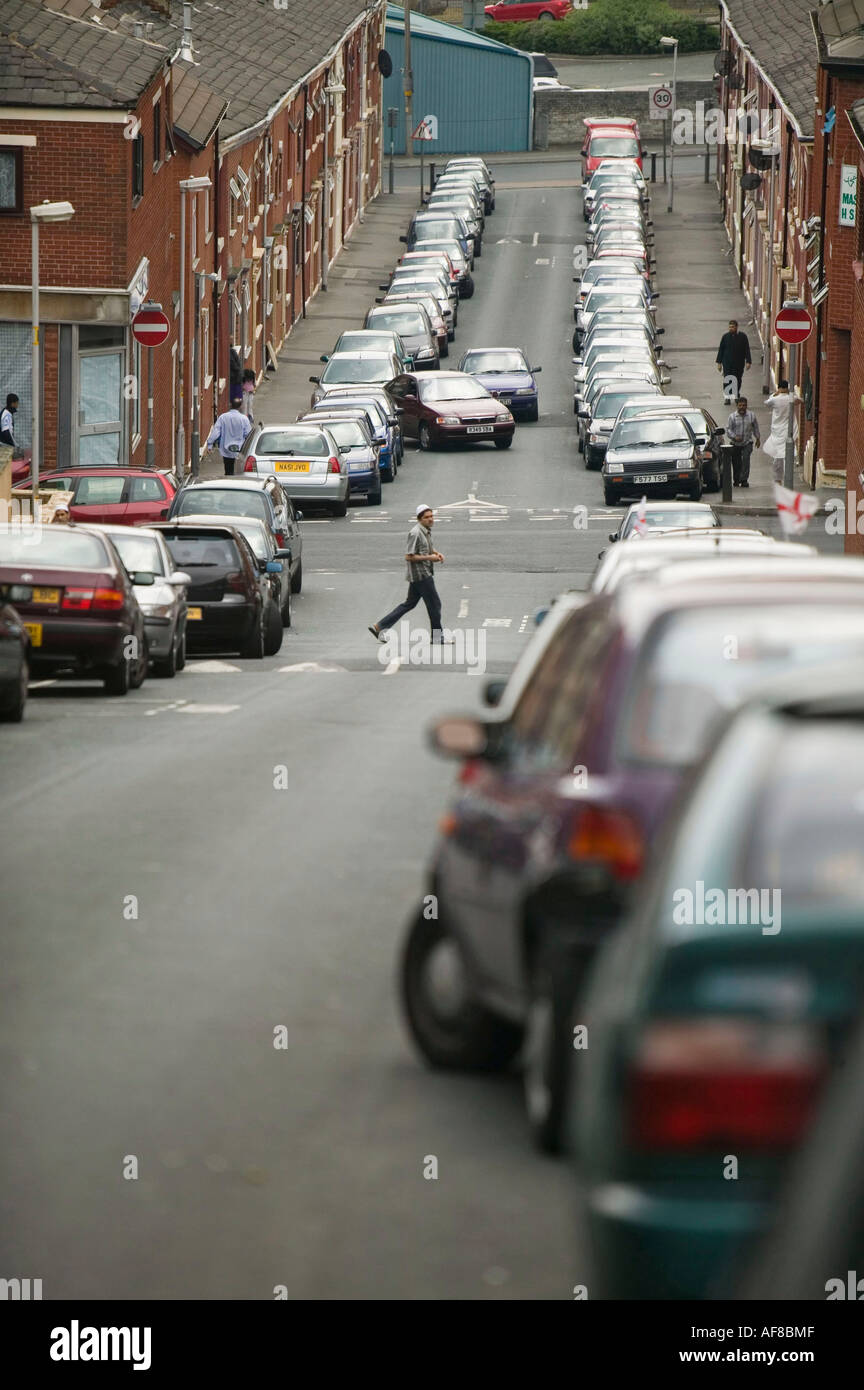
(558, 115)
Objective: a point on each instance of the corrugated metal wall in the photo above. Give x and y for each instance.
(482, 97)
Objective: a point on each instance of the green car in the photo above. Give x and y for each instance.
(718, 1012)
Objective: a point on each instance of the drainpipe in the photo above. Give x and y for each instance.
(303, 201)
(786, 180)
(816, 384)
(215, 298)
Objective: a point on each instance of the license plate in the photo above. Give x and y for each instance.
(46, 595)
(289, 466)
(35, 633)
(480, 429)
(649, 478)
(193, 614)
(505, 400)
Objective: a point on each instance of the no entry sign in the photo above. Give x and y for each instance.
(793, 323)
(150, 327)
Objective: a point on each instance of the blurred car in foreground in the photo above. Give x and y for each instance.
(659, 551)
(162, 601)
(564, 788)
(719, 1011)
(77, 603)
(14, 664)
(666, 516)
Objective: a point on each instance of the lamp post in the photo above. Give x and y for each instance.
(195, 441)
(43, 212)
(333, 89)
(195, 185)
(669, 41)
(769, 148)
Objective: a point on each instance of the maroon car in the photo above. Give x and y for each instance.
(563, 791)
(449, 408)
(112, 496)
(76, 601)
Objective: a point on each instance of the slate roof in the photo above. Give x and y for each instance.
(780, 36)
(54, 60)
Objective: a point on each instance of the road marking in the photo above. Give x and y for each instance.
(463, 609)
(207, 709)
(489, 518)
(508, 241)
(535, 238)
(542, 260)
(524, 623)
(367, 520)
(319, 666)
(497, 622)
(393, 666)
(211, 668)
(473, 504)
(350, 274)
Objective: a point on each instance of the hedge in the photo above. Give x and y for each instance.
(609, 26)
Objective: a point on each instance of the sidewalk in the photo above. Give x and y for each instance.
(361, 266)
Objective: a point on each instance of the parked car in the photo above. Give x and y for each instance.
(449, 408)
(274, 564)
(461, 203)
(77, 603)
(14, 664)
(458, 259)
(353, 368)
(563, 790)
(508, 11)
(374, 419)
(383, 420)
(124, 496)
(507, 376)
(708, 440)
(652, 455)
(305, 460)
(609, 139)
(257, 494)
(666, 516)
(659, 554)
(715, 1030)
(479, 166)
(637, 378)
(412, 324)
(231, 607)
(598, 426)
(370, 340)
(426, 226)
(416, 292)
(359, 450)
(162, 600)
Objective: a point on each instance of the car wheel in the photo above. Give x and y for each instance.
(373, 499)
(13, 712)
(297, 579)
(168, 666)
(468, 287)
(478, 249)
(545, 14)
(576, 341)
(695, 491)
(533, 413)
(445, 350)
(253, 647)
(504, 443)
(285, 610)
(580, 444)
(340, 508)
(609, 497)
(450, 1029)
(181, 652)
(139, 668)
(116, 682)
(425, 436)
(272, 630)
(547, 1052)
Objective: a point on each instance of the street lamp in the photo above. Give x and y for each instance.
(196, 185)
(196, 368)
(670, 42)
(43, 212)
(333, 89)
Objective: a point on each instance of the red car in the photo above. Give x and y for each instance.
(120, 496)
(507, 11)
(449, 408)
(609, 139)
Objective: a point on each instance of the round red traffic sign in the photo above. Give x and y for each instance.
(150, 327)
(793, 323)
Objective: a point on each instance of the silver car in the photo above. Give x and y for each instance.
(306, 461)
(163, 600)
(353, 367)
(350, 429)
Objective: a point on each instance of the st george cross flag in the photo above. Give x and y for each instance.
(640, 525)
(794, 509)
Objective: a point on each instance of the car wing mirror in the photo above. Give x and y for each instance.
(535, 370)
(180, 578)
(315, 379)
(272, 566)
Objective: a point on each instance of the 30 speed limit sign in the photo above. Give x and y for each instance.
(659, 102)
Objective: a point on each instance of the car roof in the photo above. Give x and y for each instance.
(670, 506)
(113, 528)
(238, 521)
(254, 482)
(360, 356)
(191, 523)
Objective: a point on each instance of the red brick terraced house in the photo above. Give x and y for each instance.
(190, 140)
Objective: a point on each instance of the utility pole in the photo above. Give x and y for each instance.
(408, 84)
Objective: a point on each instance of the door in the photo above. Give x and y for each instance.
(148, 500)
(407, 407)
(100, 498)
(100, 414)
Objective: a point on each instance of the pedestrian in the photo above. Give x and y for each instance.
(62, 515)
(782, 405)
(229, 433)
(420, 559)
(248, 392)
(733, 356)
(742, 431)
(7, 421)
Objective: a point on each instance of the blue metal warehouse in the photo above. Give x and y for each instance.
(480, 90)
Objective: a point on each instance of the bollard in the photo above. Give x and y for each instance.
(726, 452)
(707, 157)
(431, 176)
(654, 168)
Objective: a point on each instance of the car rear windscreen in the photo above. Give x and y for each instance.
(306, 442)
(55, 546)
(203, 552)
(207, 501)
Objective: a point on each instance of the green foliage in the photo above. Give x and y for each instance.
(609, 26)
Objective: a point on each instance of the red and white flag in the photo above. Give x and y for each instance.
(640, 525)
(794, 509)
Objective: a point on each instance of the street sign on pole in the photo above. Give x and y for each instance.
(427, 129)
(659, 103)
(793, 323)
(150, 326)
(150, 455)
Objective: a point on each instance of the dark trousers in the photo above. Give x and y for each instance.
(418, 589)
(741, 463)
(229, 461)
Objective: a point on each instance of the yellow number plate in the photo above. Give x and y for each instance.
(283, 466)
(193, 614)
(46, 595)
(35, 632)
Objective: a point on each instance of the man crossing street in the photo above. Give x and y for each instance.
(420, 559)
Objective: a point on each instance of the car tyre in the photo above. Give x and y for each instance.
(297, 579)
(285, 610)
(547, 1051)
(504, 443)
(116, 681)
(181, 652)
(253, 647)
(13, 712)
(138, 671)
(533, 413)
(167, 668)
(373, 499)
(468, 287)
(610, 497)
(453, 1033)
(424, 436)
(340, 508)
(273, 629)
(695, 490)
(445, 350)
(478, 249)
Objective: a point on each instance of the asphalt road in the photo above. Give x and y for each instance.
(142, 1032)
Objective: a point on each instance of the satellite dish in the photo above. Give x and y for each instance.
(750, 181)
(722, 62)
(385, 63)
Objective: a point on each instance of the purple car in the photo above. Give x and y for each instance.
(562, 792)
(505, 374)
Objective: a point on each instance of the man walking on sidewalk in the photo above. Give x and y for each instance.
(420, 559)
(230, 432)
(742, 430)
(733, 356)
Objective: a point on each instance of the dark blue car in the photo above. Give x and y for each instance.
(506, 375)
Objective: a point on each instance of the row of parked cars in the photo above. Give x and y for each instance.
(642, 441)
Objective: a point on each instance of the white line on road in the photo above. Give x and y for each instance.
(542, 260)
(524, 623)
(393, 667)
(211, 668)
(497, 622)
(535, 238)
(207, 709)
(463, 609)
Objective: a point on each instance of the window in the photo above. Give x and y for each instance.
(146, 490)
(157, 134)
(138, 167)
(11, 182)
(99, 491)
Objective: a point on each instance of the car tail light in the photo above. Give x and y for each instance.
(704, 1082)
(280, 537)
(333, 466)
(235, 582)
(249, 465)
(109, 600)
(77, 600)
(611, 837)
